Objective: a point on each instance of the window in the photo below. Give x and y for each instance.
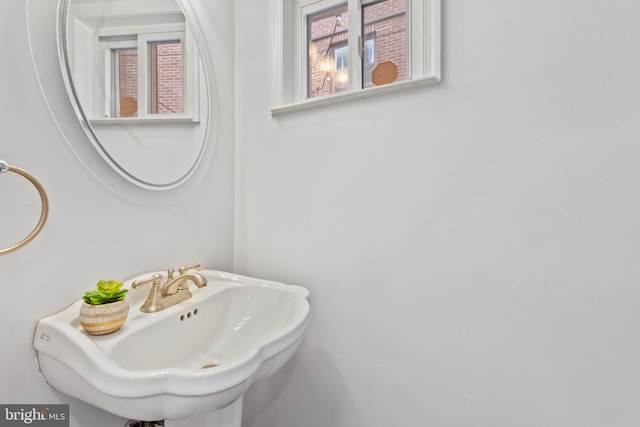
(166, 77)
(327, 44)
(328, 32)
(133, 63)
(144, 75)
(344, 49)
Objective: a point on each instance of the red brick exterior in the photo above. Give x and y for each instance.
(384, 23)
(169, 60)
(128, 69)
(169, 77)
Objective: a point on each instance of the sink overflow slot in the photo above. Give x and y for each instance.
(211, 365)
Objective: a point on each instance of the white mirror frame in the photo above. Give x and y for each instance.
(43, 23)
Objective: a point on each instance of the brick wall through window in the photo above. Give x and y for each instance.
(384, 23)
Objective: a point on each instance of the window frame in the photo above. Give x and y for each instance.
(111, 108)
(289, 65)
(146, 40)
(319, 10)
(96, 90)
(141, 41)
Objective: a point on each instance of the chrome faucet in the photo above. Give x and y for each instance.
(175, 290)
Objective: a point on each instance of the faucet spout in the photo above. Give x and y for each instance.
(173, 291)
(180, 283)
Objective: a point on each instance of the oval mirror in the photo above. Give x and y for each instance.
(149, 138)
(133, 74)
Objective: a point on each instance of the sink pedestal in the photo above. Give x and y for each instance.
(231, 416)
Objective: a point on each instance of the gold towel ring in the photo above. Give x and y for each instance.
(4, 167)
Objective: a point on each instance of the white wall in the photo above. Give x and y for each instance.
(472, 249)
(91, 233)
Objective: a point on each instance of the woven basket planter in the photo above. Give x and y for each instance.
(105, 318)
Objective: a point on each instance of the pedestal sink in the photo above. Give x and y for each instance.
(194, 358)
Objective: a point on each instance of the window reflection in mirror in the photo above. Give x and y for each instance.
(135, 73)
(124, 82)
(148, 66)
(165, 78)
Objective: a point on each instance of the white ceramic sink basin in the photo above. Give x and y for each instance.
(192, 358)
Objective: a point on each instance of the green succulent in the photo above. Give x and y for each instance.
(107, 291)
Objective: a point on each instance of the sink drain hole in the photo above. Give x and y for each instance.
(135, 423)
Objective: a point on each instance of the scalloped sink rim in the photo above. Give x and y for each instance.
(262, 326)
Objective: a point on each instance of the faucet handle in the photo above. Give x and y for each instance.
(154, 280)
(184, 269)
(152, 303)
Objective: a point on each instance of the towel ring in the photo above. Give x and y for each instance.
(5, 167)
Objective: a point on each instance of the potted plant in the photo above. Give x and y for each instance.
(105, 308)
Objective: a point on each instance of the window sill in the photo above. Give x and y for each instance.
(345, 97)
(145, 120)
